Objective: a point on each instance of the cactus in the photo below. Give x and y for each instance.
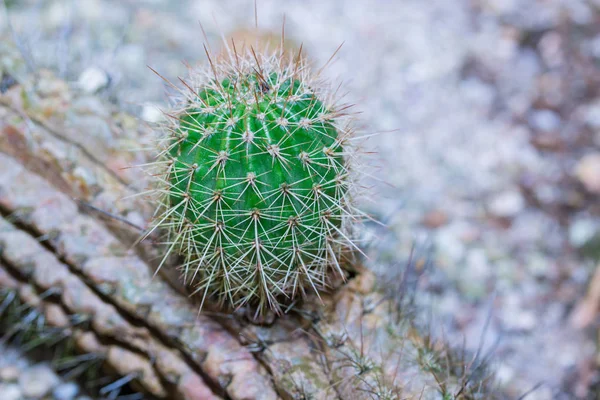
(255, 182)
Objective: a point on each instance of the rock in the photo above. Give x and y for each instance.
(66, 391)
(10, 391)
(581, 231)
(592, 111)
(502, 6)
(38, 381)
(448, 243)
(9, 374)
(435, 219)
(93, 79)
(515, 317)
(151, 113)
(504, 374)
(587, 172)
(550, 47)
(545, 121)
(507, 204)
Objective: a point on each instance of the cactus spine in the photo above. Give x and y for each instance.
(255, 182)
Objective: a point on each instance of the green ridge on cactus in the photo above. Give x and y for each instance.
(255, 189)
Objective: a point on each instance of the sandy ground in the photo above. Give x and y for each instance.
(483, 111)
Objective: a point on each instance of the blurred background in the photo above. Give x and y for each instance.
(485, 116)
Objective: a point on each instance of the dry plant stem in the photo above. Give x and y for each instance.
(347, 345)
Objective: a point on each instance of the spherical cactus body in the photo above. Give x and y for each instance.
(255, 181)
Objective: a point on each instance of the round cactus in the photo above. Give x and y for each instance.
(255, 181)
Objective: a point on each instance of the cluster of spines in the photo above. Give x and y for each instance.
(255, 180)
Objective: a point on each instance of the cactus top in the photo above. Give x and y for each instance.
(255, 183)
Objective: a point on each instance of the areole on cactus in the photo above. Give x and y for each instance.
(255, 180)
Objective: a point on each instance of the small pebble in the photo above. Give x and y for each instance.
(503, 6)
(592, 112)
(515, 317)
(434, 219)
(588, 172)
(9, 374)
(151, 113)
(504, 374)
(545, 121)
(507, 204)
(581, 231)
(448, 243)
(66, 391)
(38, 381)
(92, 79)
(10, 391)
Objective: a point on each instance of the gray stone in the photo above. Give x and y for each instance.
(507, 203)
(515, 317)
(545, 120)
(582, 230)
(10, 391)
(38, 381)
(151, 113)
(65, 391)
(93, 79)
(9, 373)
(588, 172)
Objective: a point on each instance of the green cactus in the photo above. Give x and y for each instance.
(255, 182)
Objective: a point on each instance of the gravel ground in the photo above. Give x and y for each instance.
(492, 107)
